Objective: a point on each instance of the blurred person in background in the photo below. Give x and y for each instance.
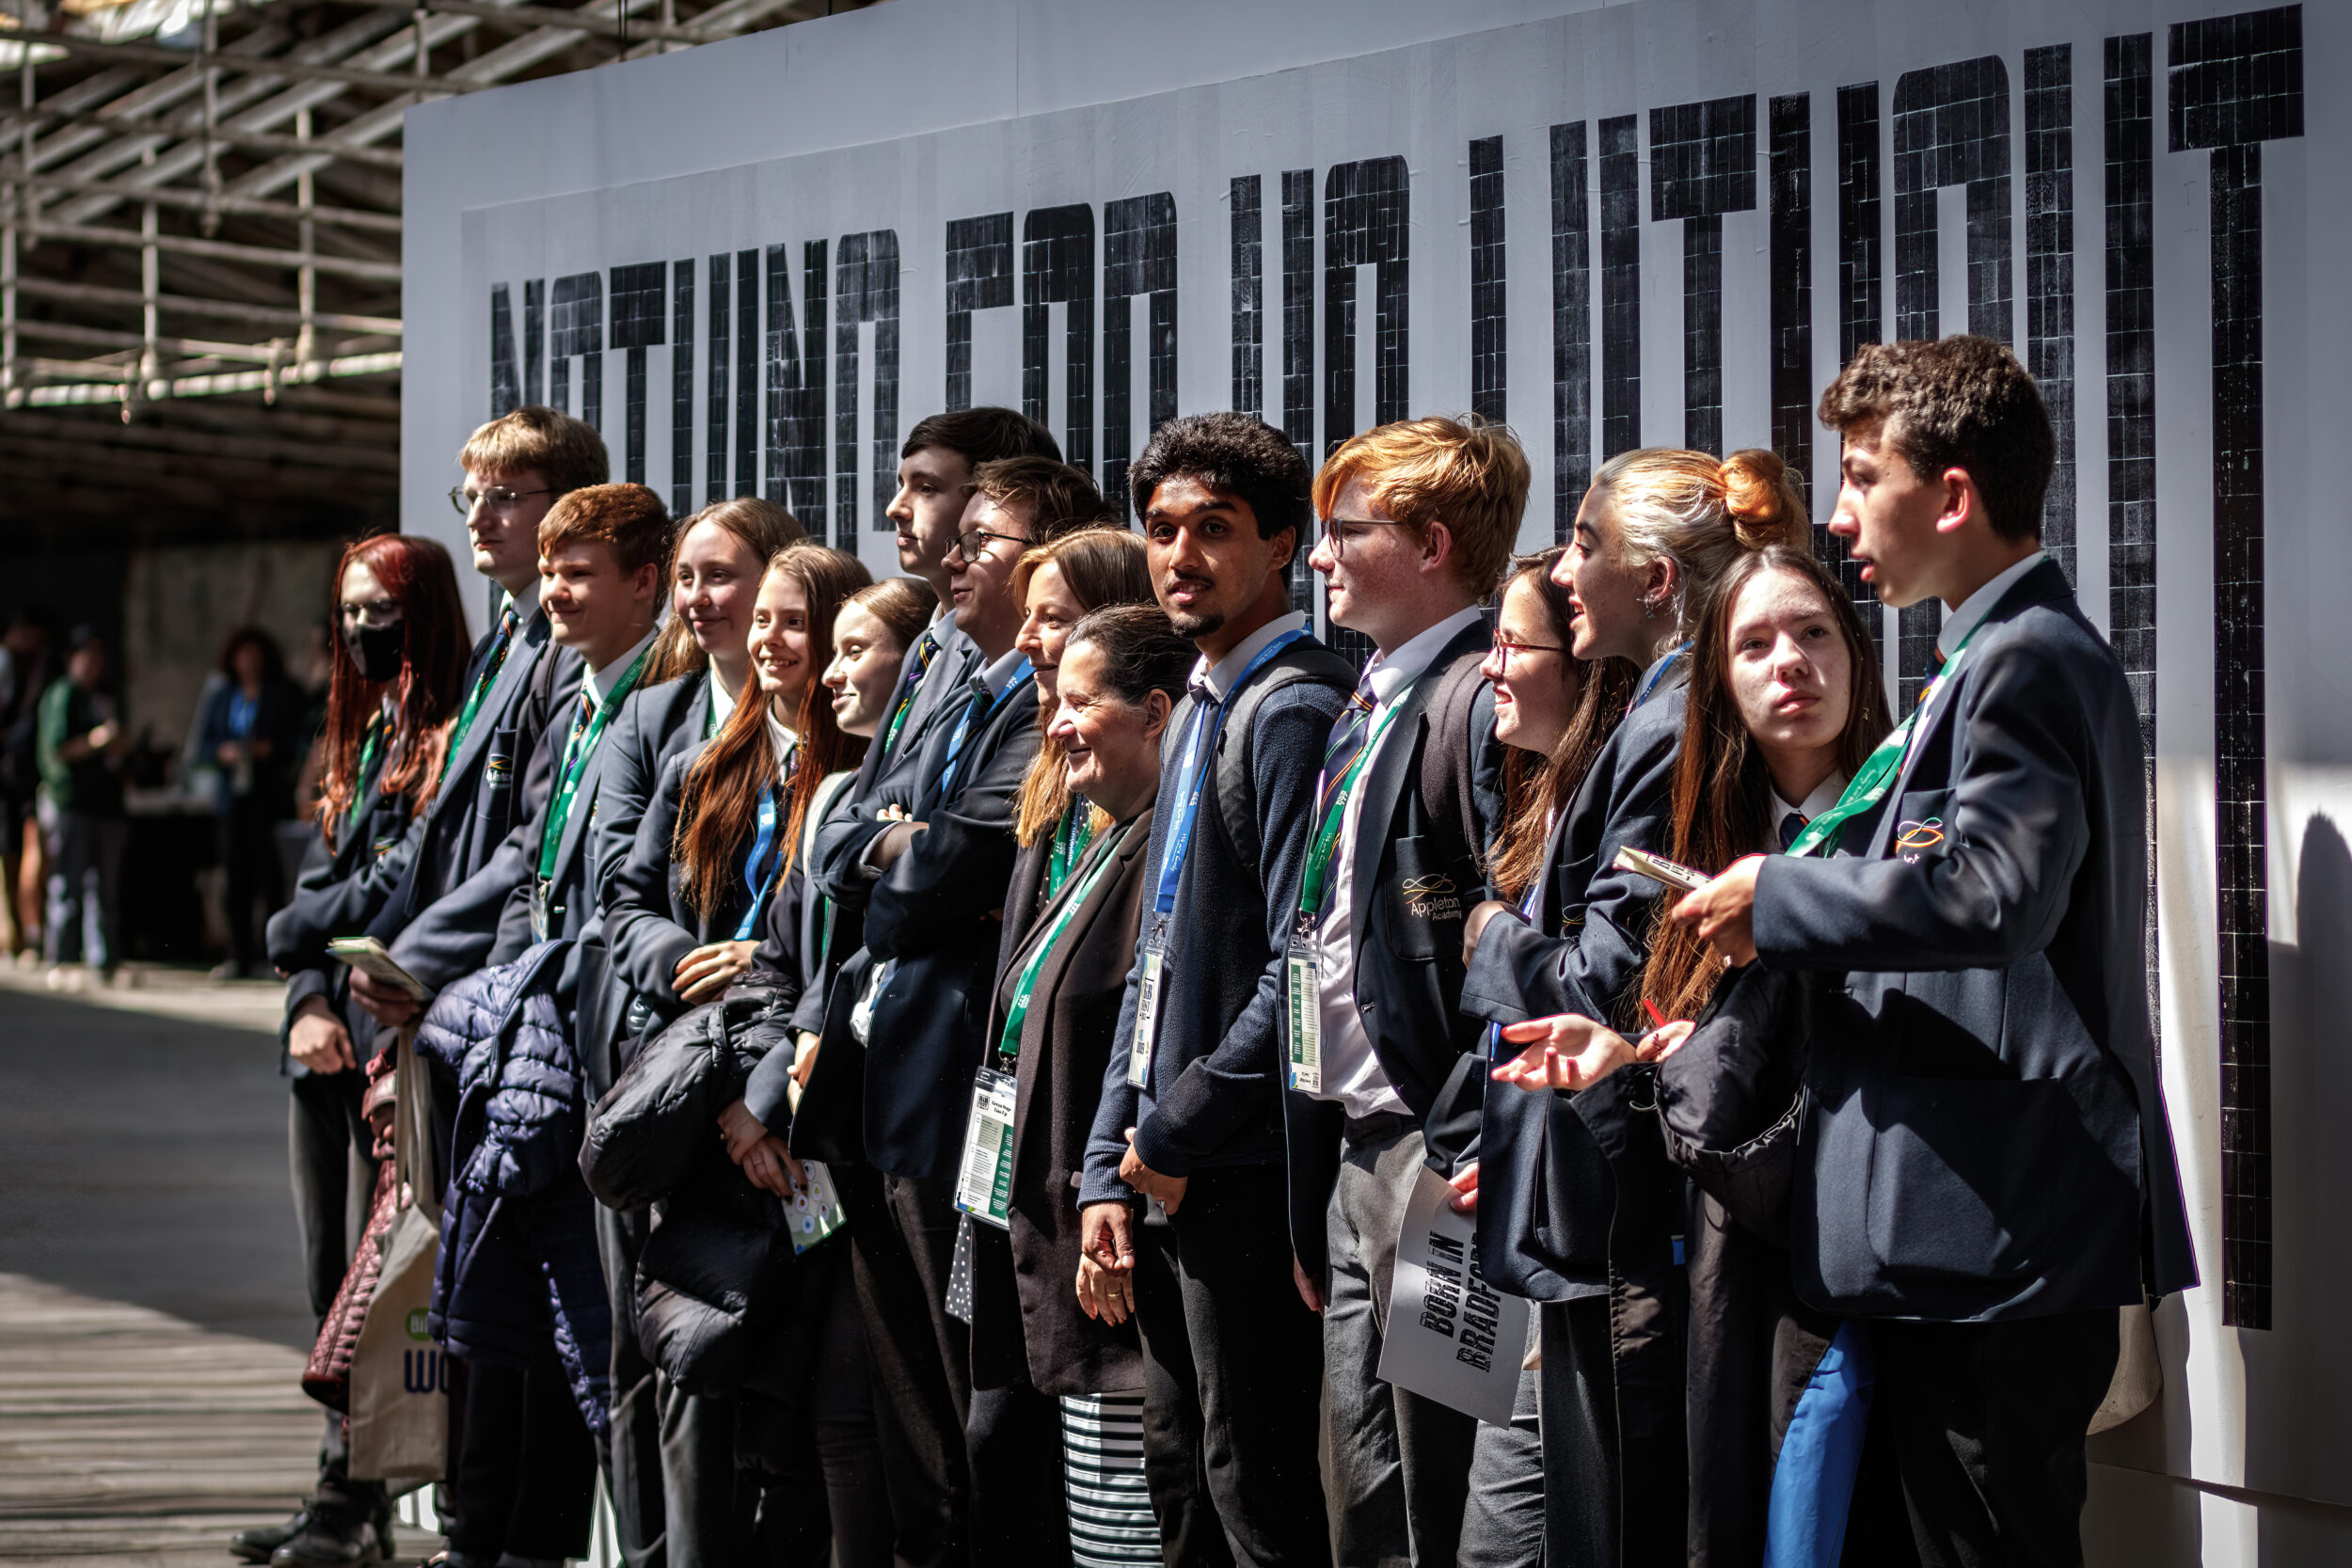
(27, 665)
(250, 732)
(80, 745)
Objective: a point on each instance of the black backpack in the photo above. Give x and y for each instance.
(1303, 662)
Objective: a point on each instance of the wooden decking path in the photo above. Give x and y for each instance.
(128, 1436)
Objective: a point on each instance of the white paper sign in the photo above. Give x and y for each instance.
(1452, 1337)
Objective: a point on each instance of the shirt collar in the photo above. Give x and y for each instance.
(722, 706)
(780, 736)
(525, 604)
(1976, 606)
(999, 674)
(597, 682)
(1390, 674)
(1825, 795)
(1219, 677)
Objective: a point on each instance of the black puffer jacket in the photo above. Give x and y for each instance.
(716, 1273)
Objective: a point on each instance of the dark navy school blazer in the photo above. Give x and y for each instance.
(1986, 1138)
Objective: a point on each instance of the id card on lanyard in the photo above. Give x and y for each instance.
(984, 1180)
(1302, 965)
(1199, 746)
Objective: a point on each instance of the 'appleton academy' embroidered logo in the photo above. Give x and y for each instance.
(1432, 897)
(1914, 838)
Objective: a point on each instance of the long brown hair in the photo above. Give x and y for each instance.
(719, 808)
(1722, 787)
(761, 526)
(1100, 566)
(417, 573)
(1536, 793)
(902, 605)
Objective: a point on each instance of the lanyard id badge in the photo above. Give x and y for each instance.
(1302, 1012)
(1148, 1005)
(984, 1175)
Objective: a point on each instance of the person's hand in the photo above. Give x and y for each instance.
(706, 972)
(231, 753)
(1476, 925)
(318, 1040)
(895, 839)
(1107, 1261)
(740, 1129)
(804, 1057)
(104, 735)
(768, 1165)
(1725, 912)
(1570, 1052)
(1307, 1291)
(1170, 1189)
(1465, 1186)
(389, 1005)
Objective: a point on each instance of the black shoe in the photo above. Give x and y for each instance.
(336, 1543)
(255, 1545)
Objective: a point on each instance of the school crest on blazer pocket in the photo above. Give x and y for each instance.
(1432, 897)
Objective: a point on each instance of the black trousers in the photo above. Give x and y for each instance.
(1255, 1355)
(1175, 1437)
(630, 1452)
(525, 1481)
(1019, 1510)
(256, 876)
(1987, 1421)
(333, 1176)
(921, 1371)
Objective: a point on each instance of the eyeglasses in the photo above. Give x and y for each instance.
(1506, 646)
(497, 498)
(375, 612)
(1337, 540)
(971, 546)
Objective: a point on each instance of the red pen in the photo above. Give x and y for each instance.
(1657, 1019)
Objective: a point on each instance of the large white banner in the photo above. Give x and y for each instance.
(1660, 223)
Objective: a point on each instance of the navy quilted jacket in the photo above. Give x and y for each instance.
(519, 1249)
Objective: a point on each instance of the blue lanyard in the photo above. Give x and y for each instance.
(242, 709)
(1655, 675)
(1190, 778)
(757, 868)
(964, 727)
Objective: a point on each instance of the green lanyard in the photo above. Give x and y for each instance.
(1009, 1042)
(1071, 838)
(374, 737)
(1878, 769)
(1335, 811)
(485, 680)
(577, 749)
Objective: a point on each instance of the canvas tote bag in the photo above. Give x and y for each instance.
(398, 1401)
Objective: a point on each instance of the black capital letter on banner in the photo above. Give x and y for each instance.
(865, 289)
(506, 380)
(2237, 82)
(719, 271)
(1058, 268)
(640, 299)
(1789, 155)
(1298, 315)
(534, 338)
(1702, 166)
(1861, 292)
(1365, 223)
(1620, 285)
(1571, 329)
(796, 383)
(1248, 212)
(979, 278)
(576, 326)
(2050, 275)
(1489, 320)
(1138, 257)
(682, 386)
(747, 373)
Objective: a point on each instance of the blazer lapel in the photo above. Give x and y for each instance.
(1035, 1028)
(530, 640)
(1392, 769)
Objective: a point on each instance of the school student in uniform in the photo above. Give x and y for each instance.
(1416, 520)
(1786, 705)
(1577, 1206)
(1191, 1116)
(683, 916)
(1986, 1172)
(701, 660)
(393, 686)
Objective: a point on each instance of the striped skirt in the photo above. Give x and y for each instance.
(1111, 1522)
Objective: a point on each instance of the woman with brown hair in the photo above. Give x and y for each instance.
(1059, 584)
(393, 686)
(1785, 704)
(1577, 1195)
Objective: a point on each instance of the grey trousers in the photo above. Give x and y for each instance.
(1503, 1526)
(1396, 1465)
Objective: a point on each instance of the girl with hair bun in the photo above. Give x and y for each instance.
(1578, 1208)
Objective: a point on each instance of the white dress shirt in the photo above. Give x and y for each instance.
(1219, 677)
(1352, 1073)
(1958, 623)
(1824, 795)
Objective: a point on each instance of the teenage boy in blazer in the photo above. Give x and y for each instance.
(1416, 520)
(516, 466)
(1987, 1173)
(1219, 1296)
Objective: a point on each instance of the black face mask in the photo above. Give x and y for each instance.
(377, 650)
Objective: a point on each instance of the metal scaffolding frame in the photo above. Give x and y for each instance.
(164, 201)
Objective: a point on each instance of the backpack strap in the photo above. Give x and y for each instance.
(1306, 661)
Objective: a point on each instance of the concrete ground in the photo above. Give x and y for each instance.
(153, 1320)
